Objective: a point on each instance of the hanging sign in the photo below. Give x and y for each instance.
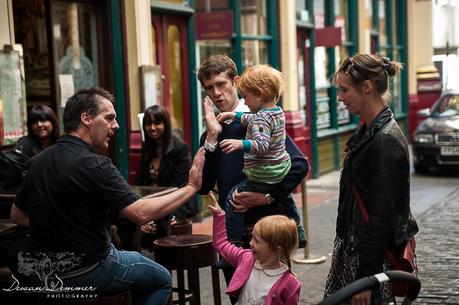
(214, 25)
(328, 37)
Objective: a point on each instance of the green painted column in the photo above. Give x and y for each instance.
(314, 139)
(237, 38)
(273, 30)
(119, 90)
(330, 21)
(191, 37)
(402, 40)
(354, 37)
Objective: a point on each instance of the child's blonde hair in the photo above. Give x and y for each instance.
(279, 231)
(263, 81)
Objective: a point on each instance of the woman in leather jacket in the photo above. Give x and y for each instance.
(376, 167)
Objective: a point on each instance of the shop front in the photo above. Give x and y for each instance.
(326, 35)
(67, 46)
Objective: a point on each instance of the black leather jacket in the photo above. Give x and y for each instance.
(377, 162)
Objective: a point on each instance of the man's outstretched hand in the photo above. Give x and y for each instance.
(213, 127)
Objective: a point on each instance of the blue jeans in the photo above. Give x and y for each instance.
(235, 221)
(149, 282)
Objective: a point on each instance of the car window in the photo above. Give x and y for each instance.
(447, 106)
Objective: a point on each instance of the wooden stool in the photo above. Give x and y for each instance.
(188, 252)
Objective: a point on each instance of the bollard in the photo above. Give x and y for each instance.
(307, 257)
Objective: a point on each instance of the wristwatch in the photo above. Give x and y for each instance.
(210, 147)
(269, 198)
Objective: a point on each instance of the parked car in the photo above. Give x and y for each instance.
(436, 139)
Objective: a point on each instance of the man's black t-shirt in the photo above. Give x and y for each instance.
(68, 194)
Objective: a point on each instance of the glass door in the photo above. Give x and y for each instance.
(171, 52)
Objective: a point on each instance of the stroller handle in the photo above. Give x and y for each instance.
(414, 286)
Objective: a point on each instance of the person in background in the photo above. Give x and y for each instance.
(165, 160)
(68, 195)
(43, 131)
(376, 172)
(266, 162)
(263, 274)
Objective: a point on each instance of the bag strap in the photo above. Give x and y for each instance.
(359, 200)
(364, 213)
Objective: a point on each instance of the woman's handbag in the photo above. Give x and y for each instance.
(13, 164)
(403, 259)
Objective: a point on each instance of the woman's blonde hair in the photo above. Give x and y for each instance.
(279, 231)
(263, 81)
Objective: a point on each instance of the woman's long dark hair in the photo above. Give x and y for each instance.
(156, 114)
(42, 113)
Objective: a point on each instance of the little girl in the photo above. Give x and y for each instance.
(263, 274)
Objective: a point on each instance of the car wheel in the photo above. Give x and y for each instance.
(419, 168)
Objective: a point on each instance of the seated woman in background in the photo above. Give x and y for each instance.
(165, 160)
(43, 131)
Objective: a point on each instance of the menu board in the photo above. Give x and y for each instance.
(12, 97)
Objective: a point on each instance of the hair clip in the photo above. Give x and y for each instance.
(349, 63)
(385, 62)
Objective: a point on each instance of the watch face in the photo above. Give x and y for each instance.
(269, 198)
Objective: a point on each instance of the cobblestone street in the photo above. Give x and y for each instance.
(438, 252)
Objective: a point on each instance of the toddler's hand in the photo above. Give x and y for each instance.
(214, 206)
(223, 116)
(230, 145)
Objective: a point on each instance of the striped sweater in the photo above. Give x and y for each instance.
(265, 157)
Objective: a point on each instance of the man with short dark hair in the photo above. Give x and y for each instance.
(70, 192)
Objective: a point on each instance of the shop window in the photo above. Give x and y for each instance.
(208, 48)
(319, 13)
(323, 118)
(382, 23)
(254, 52)
(302, 12)
(30, 31)
(341, 53)
(302, 91)
(385, 42)
(253, 17)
